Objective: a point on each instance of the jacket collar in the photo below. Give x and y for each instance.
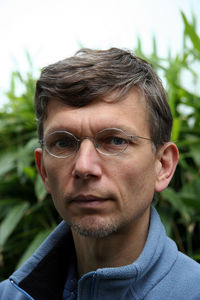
(155, 261)
(43, 275)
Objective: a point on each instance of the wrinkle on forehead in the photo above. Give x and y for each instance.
(123, 114)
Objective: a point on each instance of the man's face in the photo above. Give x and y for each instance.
(97, 194)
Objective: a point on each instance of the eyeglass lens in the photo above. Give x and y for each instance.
(111, 141)
(61, 144)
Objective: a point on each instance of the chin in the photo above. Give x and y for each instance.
(101, 232)
(94, 227)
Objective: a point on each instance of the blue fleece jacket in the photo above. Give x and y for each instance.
(160, 273)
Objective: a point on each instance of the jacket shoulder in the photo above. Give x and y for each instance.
(8, 292)
(183, 280)
(187, 268)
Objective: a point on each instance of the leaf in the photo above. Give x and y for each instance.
(32, 144)
(191, 200)
(30, 172)
(176, 202)
(176, 129)
(9, 223)
(8, 202)
(7, 162)
(166, 216)
(195, 153)
(191, 33)
(40, 237)
(191, 190)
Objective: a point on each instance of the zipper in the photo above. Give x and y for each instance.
(92, 285)
(21, 290)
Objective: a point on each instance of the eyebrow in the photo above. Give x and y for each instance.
(57, 128)
(128, 130)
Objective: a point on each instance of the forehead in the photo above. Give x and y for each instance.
(127, 113)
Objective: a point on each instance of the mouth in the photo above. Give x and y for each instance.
(89, 201)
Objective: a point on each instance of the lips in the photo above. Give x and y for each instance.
(87, 198)
(89, 201)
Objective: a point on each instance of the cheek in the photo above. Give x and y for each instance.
(58, 184)
(57, 178)
(137, 180)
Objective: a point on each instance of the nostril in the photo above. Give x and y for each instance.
(79, 175)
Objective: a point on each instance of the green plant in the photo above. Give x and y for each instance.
(26, 213)
(179, 205)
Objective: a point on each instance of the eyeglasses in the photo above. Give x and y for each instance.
(109, 141)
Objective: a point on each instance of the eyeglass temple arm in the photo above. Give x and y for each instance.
(141, 137)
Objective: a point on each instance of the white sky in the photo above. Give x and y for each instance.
(53, 29)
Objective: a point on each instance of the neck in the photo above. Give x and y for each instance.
(118, 249)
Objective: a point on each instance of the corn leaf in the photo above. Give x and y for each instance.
(11, 220)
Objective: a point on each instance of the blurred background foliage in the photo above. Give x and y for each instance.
(27, 214)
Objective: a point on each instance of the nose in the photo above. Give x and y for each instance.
(87, 161)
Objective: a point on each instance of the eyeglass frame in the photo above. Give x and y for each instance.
(129, 138)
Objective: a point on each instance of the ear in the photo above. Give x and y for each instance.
(41, 168)
(167, 159)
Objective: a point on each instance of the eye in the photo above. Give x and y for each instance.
(59, 140)
(65, 142)
(113, 142)
(116, 141)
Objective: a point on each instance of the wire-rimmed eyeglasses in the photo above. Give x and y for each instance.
(109, 141)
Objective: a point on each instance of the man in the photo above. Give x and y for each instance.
(104, 126)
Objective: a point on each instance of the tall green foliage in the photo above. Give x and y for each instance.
(179, 205)
(27, 214)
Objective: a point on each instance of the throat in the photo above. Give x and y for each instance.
(93, 254)
(120, 248)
